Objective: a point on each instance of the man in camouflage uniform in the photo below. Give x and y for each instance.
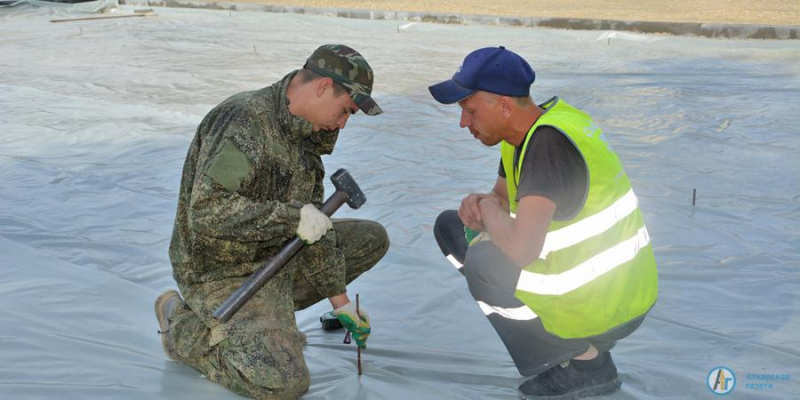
(253, 164)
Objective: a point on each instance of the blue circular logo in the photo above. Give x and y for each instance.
(721, 380)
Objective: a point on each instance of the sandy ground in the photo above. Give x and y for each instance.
(769, 12)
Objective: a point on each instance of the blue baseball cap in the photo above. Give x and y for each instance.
(491, 69)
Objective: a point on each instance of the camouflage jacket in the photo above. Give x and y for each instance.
(250, 167)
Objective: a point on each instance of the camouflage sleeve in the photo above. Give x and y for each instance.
(229, 158)
(318, 192)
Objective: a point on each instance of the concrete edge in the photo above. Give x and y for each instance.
(730, 31)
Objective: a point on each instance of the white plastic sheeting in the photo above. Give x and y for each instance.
(96, 118)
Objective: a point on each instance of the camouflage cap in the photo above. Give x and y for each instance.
(348, 68)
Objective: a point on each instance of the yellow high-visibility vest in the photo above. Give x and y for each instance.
(596, 270)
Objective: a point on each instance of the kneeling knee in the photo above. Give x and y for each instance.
(289, 386)
(381, 238)
(264, 366)
(444, 223)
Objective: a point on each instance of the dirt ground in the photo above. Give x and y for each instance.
(763, 12)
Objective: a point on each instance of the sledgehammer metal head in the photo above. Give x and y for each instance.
(345, 183)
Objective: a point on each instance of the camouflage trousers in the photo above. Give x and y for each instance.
(259, 353)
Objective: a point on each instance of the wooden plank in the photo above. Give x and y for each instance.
(101, 17)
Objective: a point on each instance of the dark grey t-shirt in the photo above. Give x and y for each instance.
(552, 168)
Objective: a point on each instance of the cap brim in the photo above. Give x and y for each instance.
(449, 92)
(367, 104)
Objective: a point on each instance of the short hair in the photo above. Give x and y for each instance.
(521, 101)
(307, 75)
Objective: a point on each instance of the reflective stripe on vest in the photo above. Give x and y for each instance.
(590, 226)
(589, 270)
(596, 270)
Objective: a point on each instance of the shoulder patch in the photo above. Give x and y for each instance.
(230, 167)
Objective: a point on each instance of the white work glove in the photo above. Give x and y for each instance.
(313, 224)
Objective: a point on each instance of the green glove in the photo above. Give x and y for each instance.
(474, 236)
(359, 327)
(470, 234)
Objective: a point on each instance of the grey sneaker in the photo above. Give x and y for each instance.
(165, 306)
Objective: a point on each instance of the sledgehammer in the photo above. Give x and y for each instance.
(347, 191)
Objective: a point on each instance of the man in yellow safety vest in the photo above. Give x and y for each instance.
(557, 254)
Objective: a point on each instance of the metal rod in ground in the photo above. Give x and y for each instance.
(357, 346)
(694, 196)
